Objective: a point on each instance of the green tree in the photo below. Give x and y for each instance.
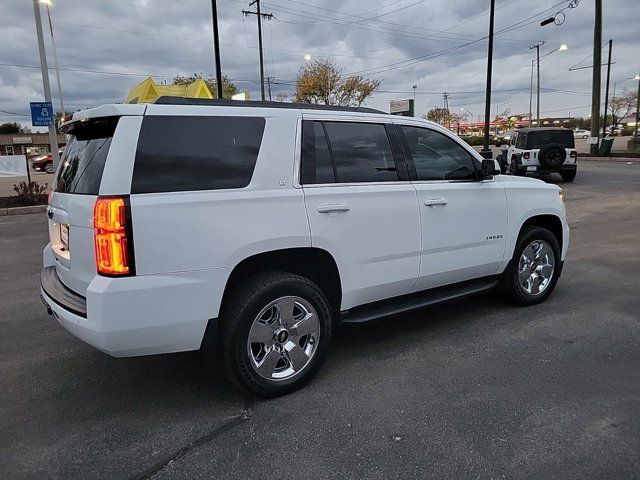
(228, 88)
(444, 117)
(12, 127)
(320, 81)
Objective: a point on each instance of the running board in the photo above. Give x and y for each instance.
(414, 301)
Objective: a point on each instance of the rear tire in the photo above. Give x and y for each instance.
(49, 168)
(568, 176)
(534, 269)
(275, 331)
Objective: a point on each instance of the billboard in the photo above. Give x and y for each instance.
(401, 107)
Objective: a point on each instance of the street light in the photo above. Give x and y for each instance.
(462, 109)
(48, 3)
(562, 48)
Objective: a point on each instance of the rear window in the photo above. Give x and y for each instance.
(538, 139)
(196, 153)
(82, 163)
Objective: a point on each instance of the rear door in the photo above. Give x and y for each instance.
(361, 207)
(76, 186)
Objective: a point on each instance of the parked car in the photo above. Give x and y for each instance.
(44, 163)
(577, 133)
(251, 230)
(542, 150)
(503, 138)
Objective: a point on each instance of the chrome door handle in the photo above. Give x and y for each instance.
(432, 202)
(333, 208)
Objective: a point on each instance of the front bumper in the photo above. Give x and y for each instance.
(133, 316)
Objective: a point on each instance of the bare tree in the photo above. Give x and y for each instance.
(323, 82)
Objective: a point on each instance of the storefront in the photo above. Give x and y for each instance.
(29, 144)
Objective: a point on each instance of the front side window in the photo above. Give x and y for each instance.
(361, 152)
(521, 141)
(435, 156)
(177, 153)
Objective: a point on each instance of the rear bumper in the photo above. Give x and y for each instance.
(142, 315)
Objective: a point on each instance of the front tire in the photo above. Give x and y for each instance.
(276, 328)
(534, 269)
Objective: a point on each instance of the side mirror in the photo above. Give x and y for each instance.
(490, 168)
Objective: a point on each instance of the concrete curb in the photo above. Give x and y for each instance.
(23, 210)
(608, 159)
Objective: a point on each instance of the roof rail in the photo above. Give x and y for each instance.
(254, 103)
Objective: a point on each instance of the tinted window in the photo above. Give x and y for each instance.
(81, 167)
(436, 156)
(196, 153)
(538, 139)
(361, 152)
(316, 159)
(521, 140)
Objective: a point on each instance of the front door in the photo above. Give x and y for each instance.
(359, 209)
(464, 220)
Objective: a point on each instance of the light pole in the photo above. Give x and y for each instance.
(216, 49)
(497, 110)
(635, 130)
(537, 46)
(53, 138)
(47, 3)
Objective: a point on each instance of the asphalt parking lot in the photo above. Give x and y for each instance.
(476, 389)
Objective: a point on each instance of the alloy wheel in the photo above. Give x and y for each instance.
(536, 267)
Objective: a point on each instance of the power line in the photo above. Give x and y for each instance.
(14, 113)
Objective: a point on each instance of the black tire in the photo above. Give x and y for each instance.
(568, 176)
(49, 168)
(240, 311)
(511, 286)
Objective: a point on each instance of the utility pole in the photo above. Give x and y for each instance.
(269, 80)
(53, 137)
(216, 48)
(606, 94)
(595, 84)
(268, 16)
(531, 95)
(486, 151)
(537, 60)
(445, 105)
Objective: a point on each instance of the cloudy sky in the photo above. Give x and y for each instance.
(106, 47)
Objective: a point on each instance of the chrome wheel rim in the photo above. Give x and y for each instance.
(536, 267)
(283, 338)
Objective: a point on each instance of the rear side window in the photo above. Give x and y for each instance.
(196, 153)
(82, 163)
(361, 152)
(521, 141)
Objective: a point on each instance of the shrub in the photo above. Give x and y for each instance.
(30, 193)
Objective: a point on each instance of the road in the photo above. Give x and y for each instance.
(476, 389)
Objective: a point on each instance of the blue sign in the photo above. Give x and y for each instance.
(41, 114)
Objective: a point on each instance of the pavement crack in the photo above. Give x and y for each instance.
(244, 415)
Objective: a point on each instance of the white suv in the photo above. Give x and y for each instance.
(542, 150)
(250, 230)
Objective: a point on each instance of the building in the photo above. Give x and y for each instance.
(148, 91)
(30, 144)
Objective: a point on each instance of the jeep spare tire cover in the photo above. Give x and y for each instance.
(552, 155)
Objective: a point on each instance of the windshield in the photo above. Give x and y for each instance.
(539, 139)
(81, 167)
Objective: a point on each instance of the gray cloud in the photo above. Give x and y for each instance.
(164, 38)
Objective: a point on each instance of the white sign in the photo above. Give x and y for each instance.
(25, 140)
(397, 106)
(593, 140)
(13, 166)
(240, 96)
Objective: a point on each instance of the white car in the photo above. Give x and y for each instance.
(542, 150)
(577, 133)
(250, 230)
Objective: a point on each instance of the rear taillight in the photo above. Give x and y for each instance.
(573, 154)
(112, 237)
(526, 155)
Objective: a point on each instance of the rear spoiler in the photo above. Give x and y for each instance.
(112, 110)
